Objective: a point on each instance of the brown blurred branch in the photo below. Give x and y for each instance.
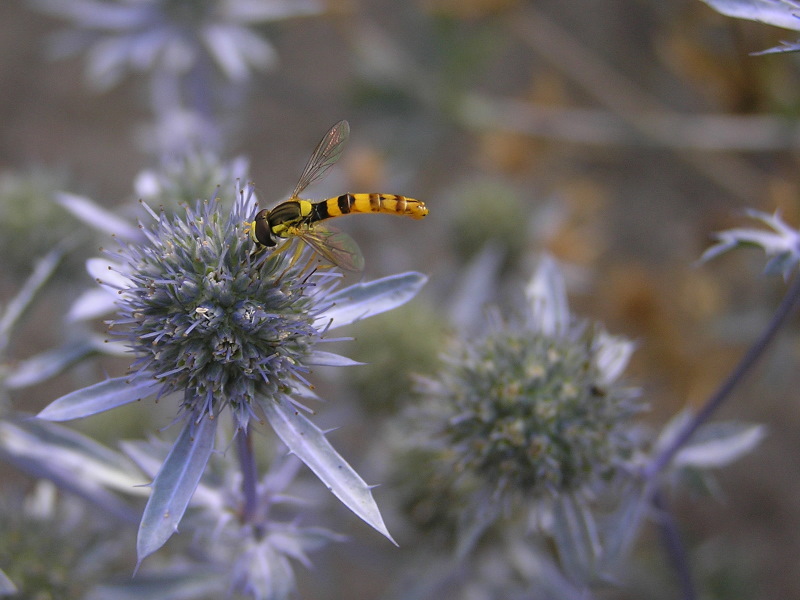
(758, 133)
(646, 114)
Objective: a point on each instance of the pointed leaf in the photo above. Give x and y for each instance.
(98, 217)
(98, 398)
(310, 445)
(7, 587)
(475, 288)
(174, 485)
(234, 58)
(576, 537)
(43, 366)
(784, 47)
(539, 566)
(781, 13)
(86, 460)
(297, 541)
(44, 268)
(91, 304)
(71, 461)
(253, 12)
(107, 272)
(547, 295)
(150, 455)
(110, 347)
(673, 428)
(621, 526)
(176, 583)
(364, 300)
(612, 356)
(329, 359)
(719, 444)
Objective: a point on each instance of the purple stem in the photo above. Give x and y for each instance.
(244, 444)
(673, 545)
(660, 462)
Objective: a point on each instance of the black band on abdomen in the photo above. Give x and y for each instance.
(345, 201)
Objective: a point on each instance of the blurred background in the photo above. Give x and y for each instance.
(616, 135)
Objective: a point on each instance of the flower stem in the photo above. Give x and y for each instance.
(244, 443)
(660, 462)
(673, 545)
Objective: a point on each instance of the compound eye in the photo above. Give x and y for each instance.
(261, 229)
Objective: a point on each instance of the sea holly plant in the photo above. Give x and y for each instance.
(173, 184)
(781, 244)
(251, 556)
(181, 37)
(230, 333)
(526, 421)
(524, 450)
(197, 56)
(781, 13)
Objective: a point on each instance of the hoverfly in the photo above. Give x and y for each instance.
(301, 218)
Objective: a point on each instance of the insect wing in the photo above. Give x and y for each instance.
(324, 156)
(336, 247)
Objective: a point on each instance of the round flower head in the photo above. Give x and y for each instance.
(528, 409)
(531, 412)
(206, 316)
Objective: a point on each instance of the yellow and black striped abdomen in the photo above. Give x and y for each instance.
(346, 204)
(296, 215)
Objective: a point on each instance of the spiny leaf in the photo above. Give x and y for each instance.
(98, 398)
(364, 300)
(174, 485)
(310, 445)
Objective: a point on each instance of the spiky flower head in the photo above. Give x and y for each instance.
(531, 412)
(232, 331)
(181, 179)
(176, 183)
(529, 409)
(204, 316)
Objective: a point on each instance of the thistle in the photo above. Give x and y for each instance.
(529, 410)
(781, 244)
(231, 332)
(203, 316)
(169, 36)
(187, 49)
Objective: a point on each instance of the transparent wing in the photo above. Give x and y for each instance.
(324, 156)
(336, 247)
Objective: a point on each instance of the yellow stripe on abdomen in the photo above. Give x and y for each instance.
(376, 203)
